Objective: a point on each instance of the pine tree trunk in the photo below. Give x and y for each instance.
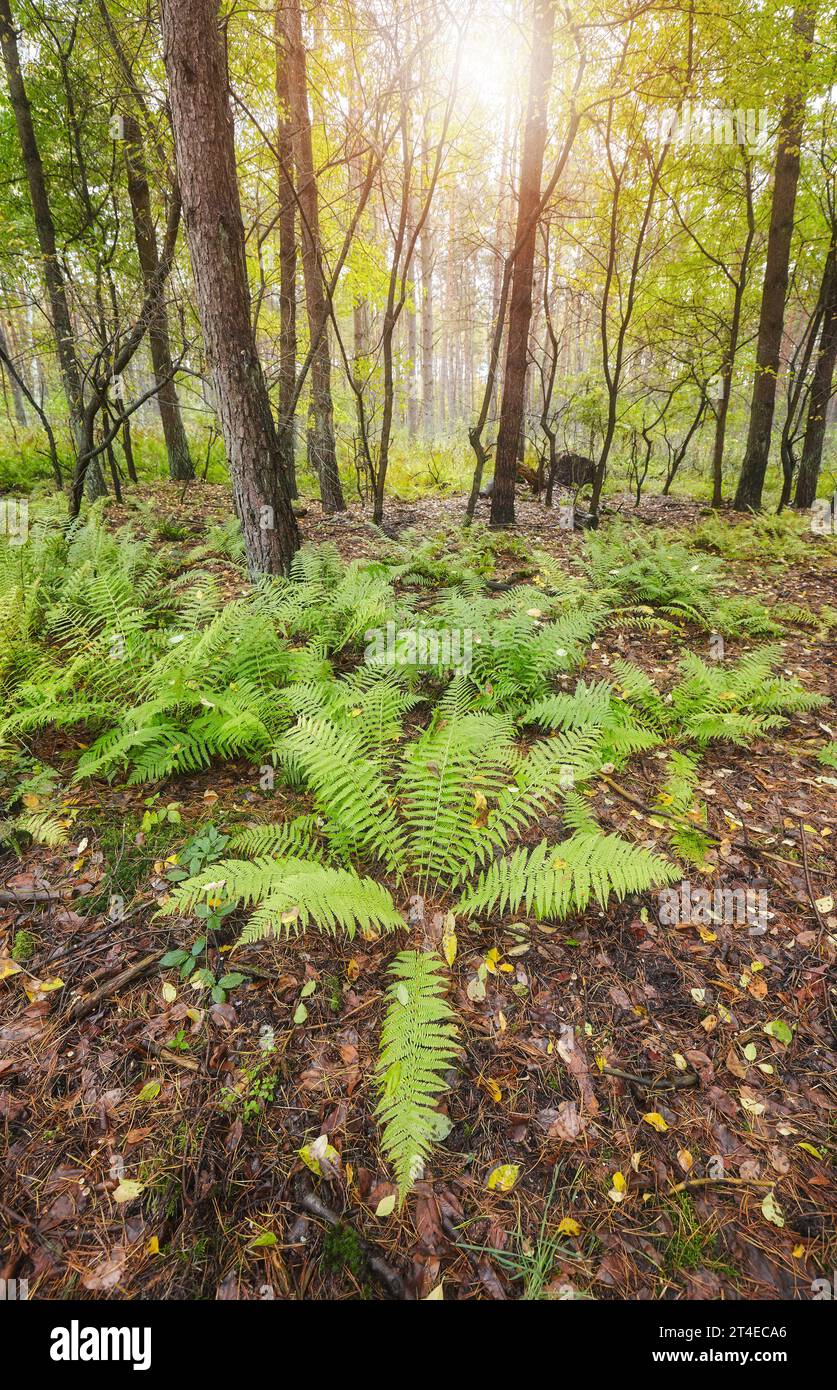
(520, 307)
(287, 263)
(809, 467)
(321, 443)
(772, 317)
(177, 445)
(205, 151)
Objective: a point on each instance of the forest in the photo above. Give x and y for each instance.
(417, 614)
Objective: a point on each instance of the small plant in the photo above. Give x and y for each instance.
(155, 816)
(202, 849)
(256, 1090)
(24, 945)
(188, 962)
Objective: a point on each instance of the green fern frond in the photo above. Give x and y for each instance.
(553, 880)
(828, 755)
(418, 1045)
(289, 895)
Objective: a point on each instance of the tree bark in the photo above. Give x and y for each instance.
(17, 394)
(321, 443)
(287, 263)
(520, 308)
(205, 150)
(772, 317)
(177, 445)
(809, 467)
(428, 403)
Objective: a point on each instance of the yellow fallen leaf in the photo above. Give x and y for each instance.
(824, 904)
(169, 993)
(153, 1246)
(449, 939)
(490, 1085)
(684, 1158)
(436, 1295)
(617, 1191)
(352, 969)
(386, 1206)
(680, 1061)
(8, 967)
(798, 1251)
(313, 1154)
(503, 1177)
(36, 989)
(771, 1211)
(568, 1226)
(656, 1121)
(128, 1190)
(809, 1149)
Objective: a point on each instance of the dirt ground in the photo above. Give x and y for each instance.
(620, 1061)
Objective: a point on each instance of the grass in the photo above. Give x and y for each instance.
(692, 1244)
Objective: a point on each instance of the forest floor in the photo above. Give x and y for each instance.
(668, 1146)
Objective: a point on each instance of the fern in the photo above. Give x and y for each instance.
(290, 895)
(553, 880)
(828, 755)
(418, 1044)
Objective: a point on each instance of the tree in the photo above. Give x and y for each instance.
(520, 305)
(205, 151)
(322, 448)
(62, 327)
(139, 194)
(177, 445)
(287, 261)
(772, 317)
(809, 467)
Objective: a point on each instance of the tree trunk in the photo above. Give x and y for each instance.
(321, 444)
(177, 445)
(809, 468)
(412, 365)
(44, 224)
(428, 403)
(17, 394)
(287, 264)
(772, 317)
(520, 309)
(205, 151)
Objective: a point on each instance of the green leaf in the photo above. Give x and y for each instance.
(779, 1030)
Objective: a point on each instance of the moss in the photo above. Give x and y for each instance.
(343, 1251)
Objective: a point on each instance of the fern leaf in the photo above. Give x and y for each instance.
(418, 1044)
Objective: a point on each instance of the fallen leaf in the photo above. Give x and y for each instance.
(503, 1177)
(128, 1190)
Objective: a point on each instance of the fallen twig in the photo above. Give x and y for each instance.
(82, 1007)
(387, 1275)
(686, 1078)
